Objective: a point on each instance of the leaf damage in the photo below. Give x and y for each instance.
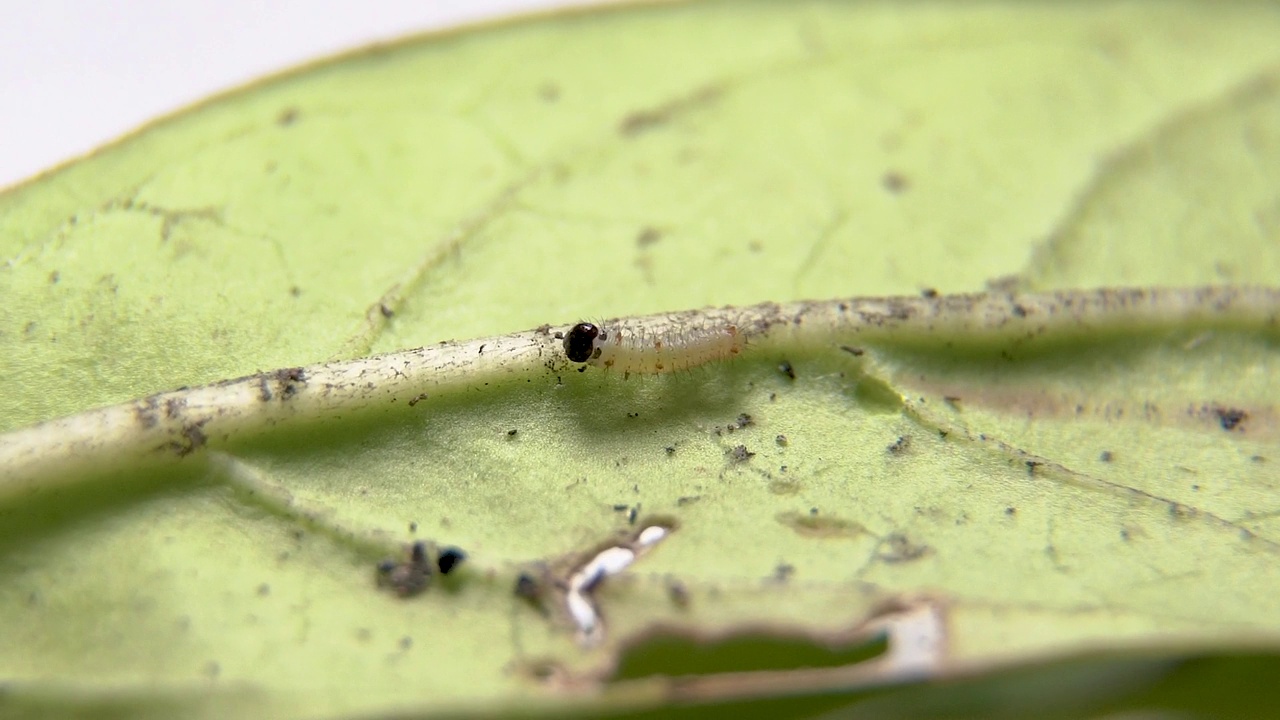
(900, 640)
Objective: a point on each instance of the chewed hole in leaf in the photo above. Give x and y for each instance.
(675, 654)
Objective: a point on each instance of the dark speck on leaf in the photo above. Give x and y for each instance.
(894, 182)
(648, 236)
(450, 558)
(527, 587)
(678, 593)
(786, 369)
(1230, 418)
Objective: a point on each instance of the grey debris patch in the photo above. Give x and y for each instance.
(1231, 419)
(289, 382)
(416, 573)
(897, 548)
(409, 577)
(899, 446)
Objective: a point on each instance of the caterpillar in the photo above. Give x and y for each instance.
(653, 348)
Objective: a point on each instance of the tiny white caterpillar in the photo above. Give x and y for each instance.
(651, 349)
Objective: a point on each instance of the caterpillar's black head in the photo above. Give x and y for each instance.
(580, 342)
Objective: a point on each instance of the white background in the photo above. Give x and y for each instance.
(77, 73)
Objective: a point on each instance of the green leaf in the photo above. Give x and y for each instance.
(1101, 491)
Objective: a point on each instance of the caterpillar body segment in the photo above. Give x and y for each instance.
(653, 348)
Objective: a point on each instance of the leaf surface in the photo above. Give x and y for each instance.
(1104, 493)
